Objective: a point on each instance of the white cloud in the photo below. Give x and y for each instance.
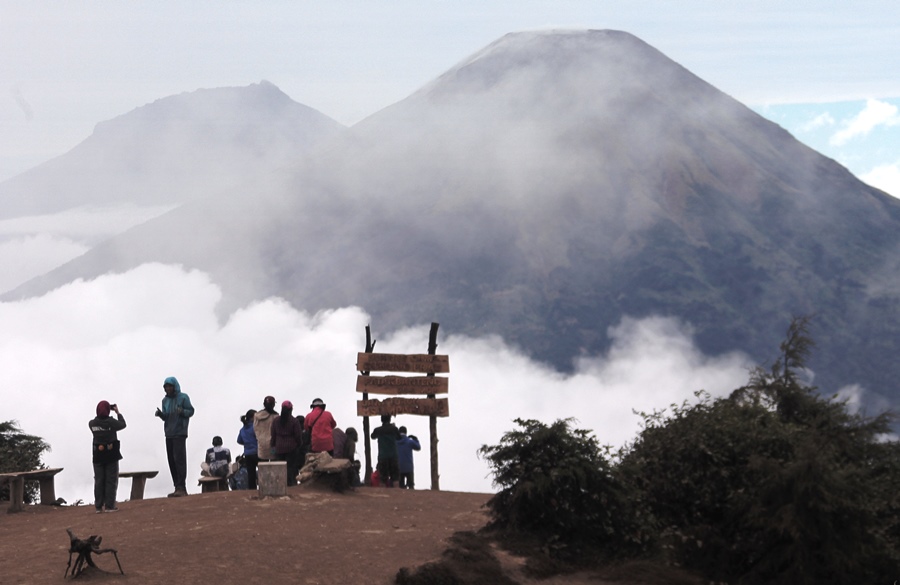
(24, 258)
(820, 121)
(876, 113)
(83, 223)
(886, 178)
(34, 245)
(117, 337)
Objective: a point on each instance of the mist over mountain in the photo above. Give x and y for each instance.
(173, 150)
(541, 190)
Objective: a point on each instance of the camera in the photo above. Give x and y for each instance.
(113, 406)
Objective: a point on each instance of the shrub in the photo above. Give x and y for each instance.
(556, 483)
(20, 452)
(773, 484)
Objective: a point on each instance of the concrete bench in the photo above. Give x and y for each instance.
(138, 481)
(17, 481)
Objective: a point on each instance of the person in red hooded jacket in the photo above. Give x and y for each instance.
(106, 455)
(320, 424)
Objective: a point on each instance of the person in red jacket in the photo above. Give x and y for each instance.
(320, 424)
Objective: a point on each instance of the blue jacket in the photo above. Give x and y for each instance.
(247, 438)
(175, 421)
(405, 447)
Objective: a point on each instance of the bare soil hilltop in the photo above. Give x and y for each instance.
(310, 536)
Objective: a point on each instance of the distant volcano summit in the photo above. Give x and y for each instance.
(545, 188)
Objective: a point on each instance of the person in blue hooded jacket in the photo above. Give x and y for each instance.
(176, 413)
(405, 447)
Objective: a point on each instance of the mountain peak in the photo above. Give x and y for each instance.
(552, 55)
(545, 188)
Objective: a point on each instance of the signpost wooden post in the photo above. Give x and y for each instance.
(432, 422)
(428, 386)
(370, 346)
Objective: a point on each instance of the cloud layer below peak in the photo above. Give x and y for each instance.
(118, 337)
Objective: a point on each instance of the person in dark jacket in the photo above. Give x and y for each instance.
(350, 453)
(247, 438)
(287, 437)
(339, 438)
(106, 455)
(405, 447)
(387, 436)
(176, 413)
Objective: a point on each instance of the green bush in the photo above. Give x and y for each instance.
(555, 483)
(773, 484)
(20, 452)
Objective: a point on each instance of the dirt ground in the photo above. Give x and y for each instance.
(312, 536)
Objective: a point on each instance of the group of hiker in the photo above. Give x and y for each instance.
(266, 435)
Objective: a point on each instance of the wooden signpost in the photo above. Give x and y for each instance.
(428, 386)
(396, 362)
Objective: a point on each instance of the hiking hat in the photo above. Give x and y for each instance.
(287, 404)
(317, 403)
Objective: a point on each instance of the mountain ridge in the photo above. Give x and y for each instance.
(150, 155)
(544, 193)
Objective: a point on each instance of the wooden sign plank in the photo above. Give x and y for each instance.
(402, 384)
(422, 363)
(395, 406)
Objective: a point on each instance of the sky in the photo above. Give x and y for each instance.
(64, 67)
(826, 71)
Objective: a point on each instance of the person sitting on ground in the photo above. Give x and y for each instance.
(405, 447)
(239, 479)
(387, 435)
(218, 459)
(287, 436)
(350, 453)
(339, 439)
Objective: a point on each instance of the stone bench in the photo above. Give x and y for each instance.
(138, 481)
(213, 484)
(17, 481)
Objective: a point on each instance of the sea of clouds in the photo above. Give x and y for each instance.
(118, 337)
